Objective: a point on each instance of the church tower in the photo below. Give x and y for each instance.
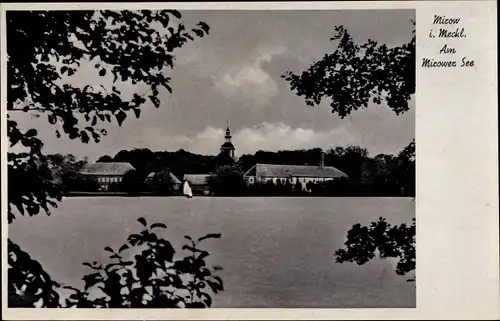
(228, 146)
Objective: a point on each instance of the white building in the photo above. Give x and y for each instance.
(106, 173)
(263, 173)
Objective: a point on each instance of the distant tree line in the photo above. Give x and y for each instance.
(382, 175)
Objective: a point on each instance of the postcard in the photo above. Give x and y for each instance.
(250, 160)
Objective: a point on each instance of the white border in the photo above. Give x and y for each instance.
(457, 174)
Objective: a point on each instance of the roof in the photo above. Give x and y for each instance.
(174, 179)
(196, 179)
(285, 171)
(228, 145)
(106, 169)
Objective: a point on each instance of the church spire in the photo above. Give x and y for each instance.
(228, 146)
(228, 132)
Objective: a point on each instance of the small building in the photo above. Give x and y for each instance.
(263, 173)
(176, 183)
(199, 183)
(106, 173)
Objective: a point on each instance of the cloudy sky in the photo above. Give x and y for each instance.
(233, 75)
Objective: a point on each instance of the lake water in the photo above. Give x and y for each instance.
(276, 252)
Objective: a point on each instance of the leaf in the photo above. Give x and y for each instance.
(26, 142)
(91, 280)
(30, 133)
(210, 236)
(84, 137)
(123, 248)
(191, 249)
(107, 248)
(120, 117)
(203, 255)
(221, 284)
(155, 101)
(175, 13)
(208, 299)
(52, 119)
(102, 72)
(137, 112)
(142, 220)
(161, 225)
(204, 26)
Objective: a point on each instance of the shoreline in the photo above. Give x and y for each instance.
(145, 194)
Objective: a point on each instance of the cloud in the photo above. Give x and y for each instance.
(205, 142)
(266, 136)
(280, 136)
(235, 74)
(251, 82)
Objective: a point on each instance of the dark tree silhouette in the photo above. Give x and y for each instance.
(145, 272)
(132, 182)
(390, 241)
(354, 74)
(227, 181)
(180, 162)
(349, 78)
(124, 44)
(105, 159)
(44, 48)
(161, 183)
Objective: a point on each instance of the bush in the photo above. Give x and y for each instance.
(143, 273)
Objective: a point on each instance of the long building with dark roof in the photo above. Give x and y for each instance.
(106, 173)
(303, 174)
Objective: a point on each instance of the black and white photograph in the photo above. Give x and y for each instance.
(211, 158)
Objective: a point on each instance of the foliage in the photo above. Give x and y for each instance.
(105, 159)
(224, 159)
(76, 182)
(179, 162)
(354, 74)
(290, 157)
(145, 272)
(129, 45)
(154, 278)
(29, 284)
(390, 241)
(66, 174)
(38, 190)
(133, 47)
(227, 181)
(132, 182)
(161, 183)
(349, 78)
(382, 175)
